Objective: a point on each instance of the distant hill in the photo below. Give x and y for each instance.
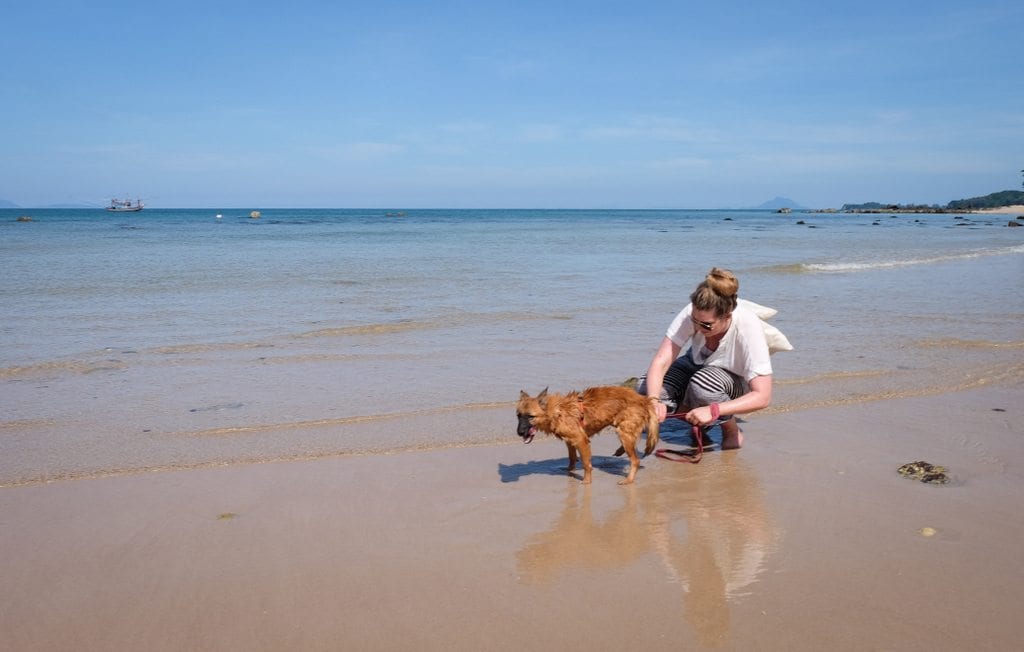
(8, 204)
(877, 206)
(992, 200)
(779, 202)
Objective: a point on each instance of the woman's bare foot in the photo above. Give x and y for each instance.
(732, 436)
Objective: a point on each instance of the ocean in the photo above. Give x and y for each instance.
(185, 338)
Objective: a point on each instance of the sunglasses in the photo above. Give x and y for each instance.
(706, 325)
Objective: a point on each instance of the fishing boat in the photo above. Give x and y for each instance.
(125, 206)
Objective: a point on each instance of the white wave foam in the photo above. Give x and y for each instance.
(855, 266)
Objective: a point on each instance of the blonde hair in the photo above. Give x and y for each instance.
(717, 292)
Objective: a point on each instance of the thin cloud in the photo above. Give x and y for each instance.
(370, 151)
(540, 133)
(684, 163)
(650, 129)
(506, 66)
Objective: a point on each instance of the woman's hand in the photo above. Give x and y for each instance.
(667, 352)
(661, 410)
(700, 416)
(759, 397)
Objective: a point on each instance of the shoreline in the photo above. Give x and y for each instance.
(416, 431)
(805, 538)
(1017, 209)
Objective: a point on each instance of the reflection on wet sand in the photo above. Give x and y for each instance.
(706, 526)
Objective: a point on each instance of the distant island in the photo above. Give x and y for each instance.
(779, 202)
(992, 200)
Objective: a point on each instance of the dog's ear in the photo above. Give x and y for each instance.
(523, 395)
(543, 394)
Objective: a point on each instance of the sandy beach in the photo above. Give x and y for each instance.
(1017, 209)
(806, 539)
(304, 438)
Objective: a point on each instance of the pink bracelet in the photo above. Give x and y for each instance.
(716, 411)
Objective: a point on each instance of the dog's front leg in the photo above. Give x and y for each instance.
(585, 455)
(572, 457)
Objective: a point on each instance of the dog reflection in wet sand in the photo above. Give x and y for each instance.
(576, 417)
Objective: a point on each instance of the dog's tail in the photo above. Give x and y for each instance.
(653, 427)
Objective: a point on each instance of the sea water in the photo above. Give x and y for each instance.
(179, 338)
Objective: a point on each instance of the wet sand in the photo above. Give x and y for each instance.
(806, 539)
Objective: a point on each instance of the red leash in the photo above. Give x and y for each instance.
(698, 434)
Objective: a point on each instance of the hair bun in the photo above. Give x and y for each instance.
(723, 282)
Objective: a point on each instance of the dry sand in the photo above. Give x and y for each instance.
(807, 539)
(1017, 209)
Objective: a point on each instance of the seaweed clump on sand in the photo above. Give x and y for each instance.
(925, 472)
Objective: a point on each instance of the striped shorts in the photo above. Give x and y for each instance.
(688, 385)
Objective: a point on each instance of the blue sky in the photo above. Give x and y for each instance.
(510, 104)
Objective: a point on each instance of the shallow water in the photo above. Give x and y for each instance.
(175, 338)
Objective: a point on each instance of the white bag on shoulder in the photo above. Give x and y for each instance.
(776, 340)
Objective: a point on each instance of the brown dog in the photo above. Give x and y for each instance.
(576, 417)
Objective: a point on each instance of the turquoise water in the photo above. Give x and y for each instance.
(178, 338)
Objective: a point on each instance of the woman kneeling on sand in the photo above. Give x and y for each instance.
(726, 369)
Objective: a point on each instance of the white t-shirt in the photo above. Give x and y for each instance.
(743, 349)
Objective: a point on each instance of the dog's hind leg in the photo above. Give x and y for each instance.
(629, 440)
(653, 426)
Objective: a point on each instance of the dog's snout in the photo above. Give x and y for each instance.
(525, 425)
